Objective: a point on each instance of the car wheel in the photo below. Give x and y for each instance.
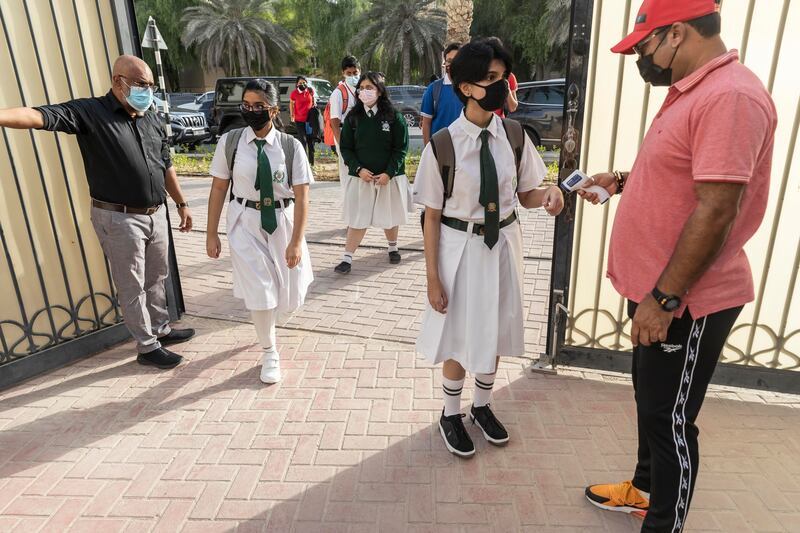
(410, 118)
(533, 136)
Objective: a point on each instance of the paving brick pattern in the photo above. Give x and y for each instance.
(347, 442)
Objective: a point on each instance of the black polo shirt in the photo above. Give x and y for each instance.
(125, 158)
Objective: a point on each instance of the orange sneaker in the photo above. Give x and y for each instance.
(622, 497)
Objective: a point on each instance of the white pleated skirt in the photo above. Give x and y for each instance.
(367, 205)
(260, 275)
(484, 315)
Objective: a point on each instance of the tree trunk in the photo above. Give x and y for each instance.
(406, 61)
(459, 20)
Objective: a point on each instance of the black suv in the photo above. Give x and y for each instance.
(541, 110)
(188, 127)
(228, 97)
(408, 100)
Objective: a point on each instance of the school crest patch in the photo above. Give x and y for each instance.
(279, 175)
(385, 126)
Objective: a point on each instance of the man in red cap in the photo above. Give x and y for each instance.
(695, 195)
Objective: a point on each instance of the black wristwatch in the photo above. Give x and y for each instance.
(182, 205)
(667, 302)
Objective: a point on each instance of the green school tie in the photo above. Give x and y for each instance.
(264, 184)
(490, 193)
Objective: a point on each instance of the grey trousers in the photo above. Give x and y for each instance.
(136, 247)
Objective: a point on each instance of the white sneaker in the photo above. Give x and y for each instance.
(270, 367)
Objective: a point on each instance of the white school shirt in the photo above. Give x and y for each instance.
(246, 166)
(336, 102)
(464, 203)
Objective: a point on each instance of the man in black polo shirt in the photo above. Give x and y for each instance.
(129, 169)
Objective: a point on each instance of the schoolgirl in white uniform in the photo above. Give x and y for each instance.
(266, 218)
(473, 246)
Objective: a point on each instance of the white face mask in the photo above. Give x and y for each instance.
(352, 81)
(368, 96)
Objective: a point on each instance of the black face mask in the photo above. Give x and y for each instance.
(495, 97)
(653, 74)
(301, 88)
(257, 120)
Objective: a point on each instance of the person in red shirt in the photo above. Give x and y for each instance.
(695, 195)
(301, 101)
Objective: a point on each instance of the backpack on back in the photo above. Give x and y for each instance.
(328, 137)
(232, 145)
(437, 93)
(445, 154)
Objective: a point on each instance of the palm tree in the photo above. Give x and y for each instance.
(234, 35)
(555, 22)
(459, 20)
(392, 28)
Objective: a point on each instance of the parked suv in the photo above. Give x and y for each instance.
(408, 100)
(188, 127)
(228, 97)
(541, 110)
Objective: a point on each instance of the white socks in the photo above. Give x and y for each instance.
(347, 258)
(452, 395)
(483, 389)
(393, 246)
(264, 322)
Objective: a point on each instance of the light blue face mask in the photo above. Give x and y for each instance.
(140, 98)
(352, 81)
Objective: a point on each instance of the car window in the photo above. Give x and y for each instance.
(525, 95)
(230, 91)
(548, 95)
(285, 89)
(417, 93)
(322, 88)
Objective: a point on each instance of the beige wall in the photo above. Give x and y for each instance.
(41, 169)
(619, 109)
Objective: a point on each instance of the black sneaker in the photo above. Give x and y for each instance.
(343, 268)
(493, 430)
(394, 257)
(455, 435)
(160, 358)
(176, 336)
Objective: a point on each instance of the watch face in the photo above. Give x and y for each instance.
(672, 304)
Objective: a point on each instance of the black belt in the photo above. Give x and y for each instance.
(283, 204)
(477, 229)
(120, 208)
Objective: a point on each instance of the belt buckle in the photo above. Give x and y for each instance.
(258, 206)
(482, 231)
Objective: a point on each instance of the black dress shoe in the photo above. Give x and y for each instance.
(176, 336)
(455, 435)
(343, 267)
(160, 358)
(492, 429)
(394, 257)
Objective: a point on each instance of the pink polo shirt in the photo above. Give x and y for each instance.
(716, 126)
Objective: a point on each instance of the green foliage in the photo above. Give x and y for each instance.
(236, 35)
(167, 14)
(395, 33)
(535, 31)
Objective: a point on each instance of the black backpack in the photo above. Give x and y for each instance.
(444, 152)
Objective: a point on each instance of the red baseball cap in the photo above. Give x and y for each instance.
(657, 13)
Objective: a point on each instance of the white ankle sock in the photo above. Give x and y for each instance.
(483, 389)
(393, 246)
(264, 322)
(347, 258)
(451, 389)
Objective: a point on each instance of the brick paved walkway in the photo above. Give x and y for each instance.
(348, 442)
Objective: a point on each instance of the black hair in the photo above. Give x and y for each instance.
(264, 87)
(350, 61)
(708, 25)
(386, 109)
(450, 47)
(473, 61)
(303, 78)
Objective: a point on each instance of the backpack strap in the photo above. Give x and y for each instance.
(516, 137)
(444, 151)
(231, 146)
(437, 91)
(287, 145)
(345, 96)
